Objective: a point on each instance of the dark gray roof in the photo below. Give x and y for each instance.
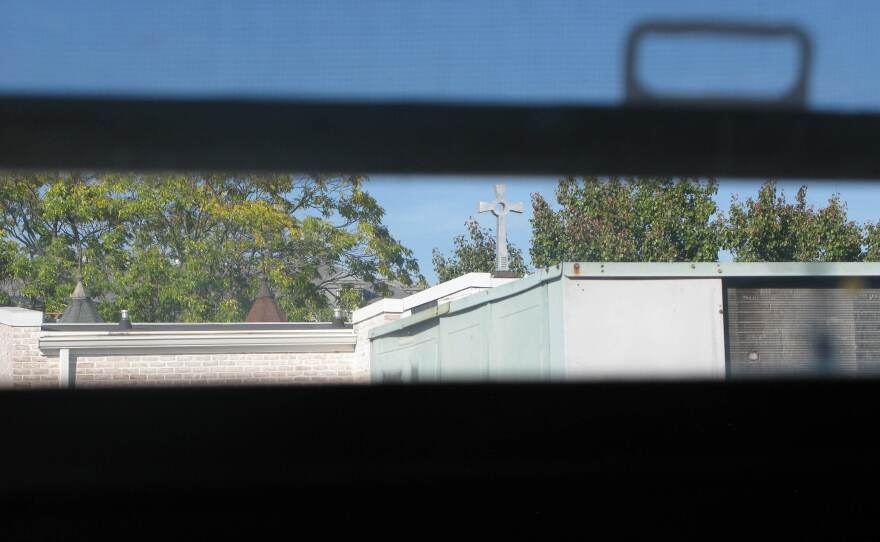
(81, 309)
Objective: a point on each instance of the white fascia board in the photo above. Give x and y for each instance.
(383, 306)
(438, 293)
(445, 289)
(231, 341)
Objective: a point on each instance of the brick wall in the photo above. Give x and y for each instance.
(5, 355)
(30, 368)
(23, 365)
(213, 369)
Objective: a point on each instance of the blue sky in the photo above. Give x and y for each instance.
(428, 213)
(557, 51)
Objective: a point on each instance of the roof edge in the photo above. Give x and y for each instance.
(651, 270)
(719, 269)
(478, 298)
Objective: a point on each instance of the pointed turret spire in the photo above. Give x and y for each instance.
(265, 309)
(81, 309)
(79, 292)
(264, 289)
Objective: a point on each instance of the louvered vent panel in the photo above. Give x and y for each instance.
(803, 331)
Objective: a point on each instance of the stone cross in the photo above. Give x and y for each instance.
(500, 208)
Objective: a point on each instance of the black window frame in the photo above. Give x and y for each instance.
(418, 138)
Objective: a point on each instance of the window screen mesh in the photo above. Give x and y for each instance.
(558, 51)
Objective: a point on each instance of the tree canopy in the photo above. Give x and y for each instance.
(637, 219)
(475, 253)
(770, 229)
(650, 220)
(192, 247)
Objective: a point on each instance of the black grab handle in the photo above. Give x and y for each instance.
(796, 96)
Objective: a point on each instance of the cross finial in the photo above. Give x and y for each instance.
(500, 207)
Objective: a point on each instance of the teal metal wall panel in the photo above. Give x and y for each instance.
(464, 342)
(505, 334)
(411, 357)
(519, 348)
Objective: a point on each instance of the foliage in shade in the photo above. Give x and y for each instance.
(475, 253)
(626, 220)
(872, 242)
(190, 247)
(770, 229)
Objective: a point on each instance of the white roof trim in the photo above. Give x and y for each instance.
(19, 317)
(227, 341)
(444, 289)
(382, 306)
(719, 269)
(434, 293)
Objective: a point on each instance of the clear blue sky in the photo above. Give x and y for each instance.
(558, 51)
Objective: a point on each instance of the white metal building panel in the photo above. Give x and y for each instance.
(634, 328)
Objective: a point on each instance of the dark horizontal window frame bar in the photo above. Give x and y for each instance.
(409, 138)
(203, 438)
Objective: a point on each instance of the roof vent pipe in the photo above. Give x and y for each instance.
(338, 317)
(124, 322)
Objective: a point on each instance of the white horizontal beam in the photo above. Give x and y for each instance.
(234, 341)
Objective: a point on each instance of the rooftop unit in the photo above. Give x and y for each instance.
(591, 320)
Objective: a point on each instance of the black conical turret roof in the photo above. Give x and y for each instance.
(81, 309)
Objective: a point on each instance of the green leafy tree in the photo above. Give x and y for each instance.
(872, 242)
(636, 219)
(770, 229)
(191, 247)
(202, 241)
(475, 253)
(52, 224)
(5, 300)
(8, 252)
(350, 298)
